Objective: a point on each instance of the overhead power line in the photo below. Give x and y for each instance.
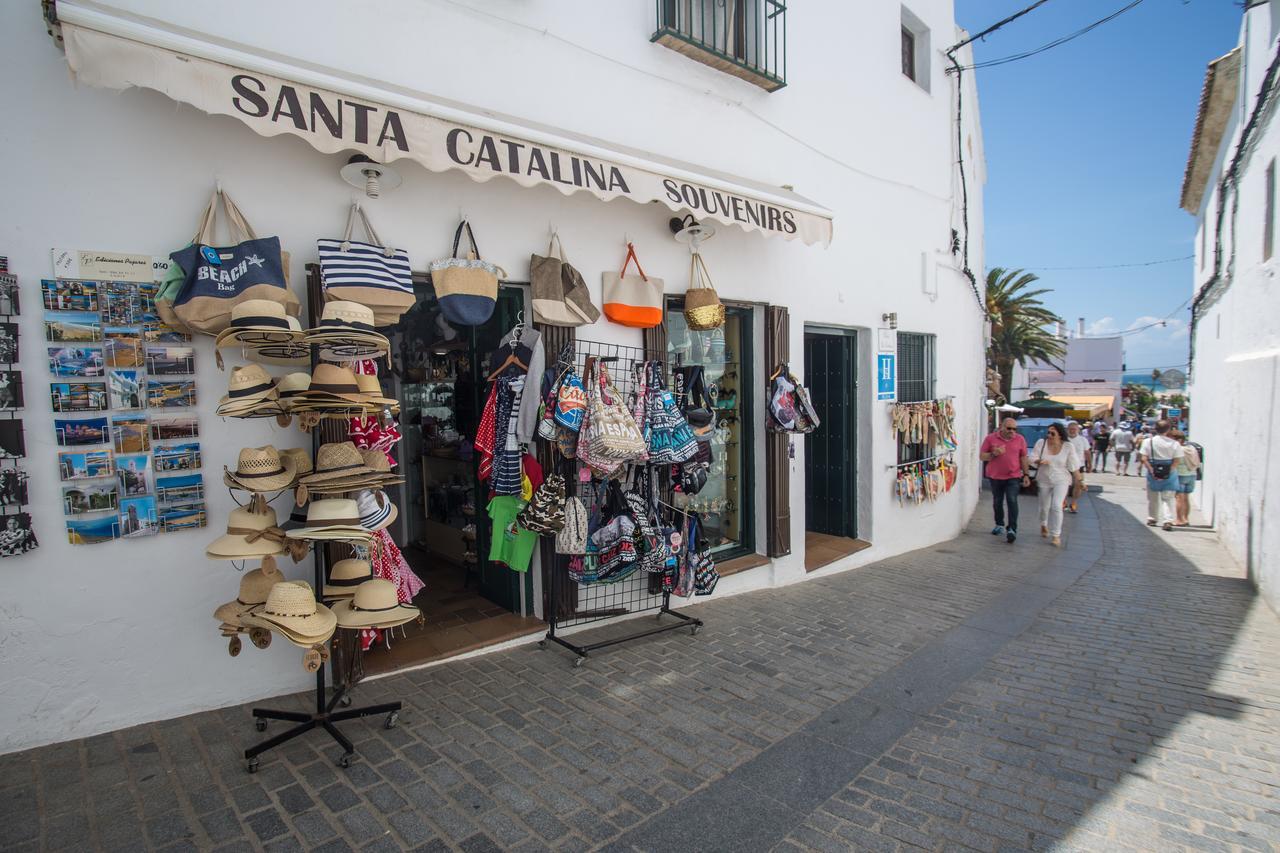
(1115, 266)
(1026, 54)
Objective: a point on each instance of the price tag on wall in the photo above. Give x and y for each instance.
(107, 266)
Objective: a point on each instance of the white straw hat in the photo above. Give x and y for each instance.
(254, 587)
(261, 469)
(249, 534)
(345, 576)
(375, 605)
(331, 518)
(291, 608)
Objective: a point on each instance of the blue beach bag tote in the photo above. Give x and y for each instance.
(466, 287)
(373, 274)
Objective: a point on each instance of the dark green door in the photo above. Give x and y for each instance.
(830, 475)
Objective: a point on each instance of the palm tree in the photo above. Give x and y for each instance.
(1018, 325)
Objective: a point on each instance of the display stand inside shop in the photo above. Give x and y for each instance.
(327, 711)
(573, 603)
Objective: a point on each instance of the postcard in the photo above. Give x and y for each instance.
(126, 389)
(176, 457)
(156, 332)
(73, 433)
(174, 426)
(171, 395)
(170, 360)
(185, 517)
(134, 474)
(76, 361)
(13, 444)
(62, 294)
(72, 327)
(19, 538)
(138, 517)
(119, 303)
(93, 463)
(179, 489)
(122, 347)
(8, 343)
(90, 530)
(13, 487)
(89, 497)
(78, 396)
(129, 434)
(9, 297)
(10, 390)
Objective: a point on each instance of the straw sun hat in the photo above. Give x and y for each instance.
(331, 518)
(346, 330)
(345, 576)
(331, 386)
(339, 468)
(261, 469)
(249, 534)
(374, 605)
(291, 609)
(257, 321)
(254, 587)
(251, 392)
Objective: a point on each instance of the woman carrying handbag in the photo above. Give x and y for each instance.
(1056, 462)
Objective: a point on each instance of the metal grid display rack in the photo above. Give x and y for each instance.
(571, 603)
(13, 478)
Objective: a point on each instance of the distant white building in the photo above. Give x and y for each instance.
(1090, 377)
(1230, 187)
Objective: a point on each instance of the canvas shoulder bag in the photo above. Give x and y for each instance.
(467, 288)
(217, 278)
(373, 274)
(612, 431)
(560, 296)
(632, 300)
(703, 310)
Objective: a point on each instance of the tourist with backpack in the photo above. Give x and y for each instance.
(1157, 456)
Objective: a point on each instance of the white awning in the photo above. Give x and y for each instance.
(335, 112)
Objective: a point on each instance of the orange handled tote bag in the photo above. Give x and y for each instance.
(632, 300)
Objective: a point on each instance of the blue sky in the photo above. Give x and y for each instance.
(1086, 146)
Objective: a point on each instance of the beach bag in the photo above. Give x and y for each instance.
(632, 300)
(168, 291)
(671, 439)
(560, 295)
(545, 513)
(217, 278)
(790, 407)
(371, 274)
(571, 401)
(572, 536)
(611, 430)
(702, 308)
(467, 288)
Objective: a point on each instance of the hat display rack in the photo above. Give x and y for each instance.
(344, 331)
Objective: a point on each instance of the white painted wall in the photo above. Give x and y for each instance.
(94, 638)
(1092, 367)
(1235, 382)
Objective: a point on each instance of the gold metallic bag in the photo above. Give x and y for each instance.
(702, 308)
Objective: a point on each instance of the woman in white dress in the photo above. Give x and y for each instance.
(1057, 462)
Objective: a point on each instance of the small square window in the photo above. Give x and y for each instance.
(915, 49)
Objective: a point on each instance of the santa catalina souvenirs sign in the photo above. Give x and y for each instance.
(333, 122)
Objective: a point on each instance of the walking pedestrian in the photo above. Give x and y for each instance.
(1185, 470)
(1057, 468)
(1081, 444)
(1156, 456)
(1005, 452)
(1101, 443)
(1122, 447)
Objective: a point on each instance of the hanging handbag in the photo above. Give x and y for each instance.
(560, 295)
(371, 274)
(702, 308)
(702, 566)
(587, 453)
(648, 539)
(632, 300)
(789, 406)
(572, 536)
(545, 513)
(216, 279)
(165, 294)
(571, 401)
(611, 430)
(698, 409)
(467, 288)
(671, 440)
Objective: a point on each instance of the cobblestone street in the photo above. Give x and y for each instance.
(1122, 693)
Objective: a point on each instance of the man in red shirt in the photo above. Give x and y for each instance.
(1005, 452)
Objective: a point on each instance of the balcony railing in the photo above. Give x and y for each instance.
(745, 38)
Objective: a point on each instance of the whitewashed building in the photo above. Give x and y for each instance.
(821, 142)
(1230, 187)
(1090, 376)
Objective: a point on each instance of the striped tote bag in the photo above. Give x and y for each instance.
(372, 274)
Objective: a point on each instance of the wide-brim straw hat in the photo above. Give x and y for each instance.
(338, 460)
(371, 390)
(377, 512)
(261, 469)
(254, 586)
(301, 459)
(377, 462)
(291, 352)
(249, 534)
(343, 320)
(374, 605)
(331, 518)
(248, 384)
(292, 608)
(290, 386)
(331, 386)
(258, 321)
(345, 576)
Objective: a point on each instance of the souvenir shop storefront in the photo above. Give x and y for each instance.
(336, 402)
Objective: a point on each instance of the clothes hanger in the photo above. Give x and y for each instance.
(512, 359)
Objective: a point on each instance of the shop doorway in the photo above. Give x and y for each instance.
(830, 459)
(469, 601)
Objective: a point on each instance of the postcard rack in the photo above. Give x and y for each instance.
(571, 603)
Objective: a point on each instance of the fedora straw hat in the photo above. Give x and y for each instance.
(301, 459)
(345, 576)
(261, 321)
(371, 390)
(377, 512)
(377, 462)
(249, 534)
(261, 469)
(247, 389)
(338, 460)
(290, 386)
(292, 351)
(375, 605)
(331, 518)
(341, 319)
(291, 607)
(331, 386)
(254, 586)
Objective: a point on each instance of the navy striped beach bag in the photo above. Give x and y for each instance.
(372, 274)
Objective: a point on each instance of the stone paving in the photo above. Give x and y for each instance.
(1121, 693)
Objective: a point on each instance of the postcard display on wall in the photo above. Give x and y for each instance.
(123, 393)
(16, 535)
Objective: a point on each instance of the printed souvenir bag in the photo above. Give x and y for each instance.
(467, 288)
(571, 401)
(615, 542)
(632, 300)
(703, 310)
(671, 439)
(371, 274)
(790, 408)
(647, 537)
(560, 295)
(545, 513)
(217, 278)
(572, 537)
(611, 430)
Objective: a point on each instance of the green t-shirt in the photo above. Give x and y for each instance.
(511, 544)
